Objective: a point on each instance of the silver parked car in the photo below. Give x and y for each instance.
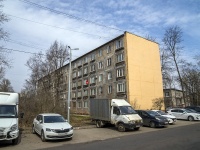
(52, 126)
(185, 114)
(171, 118)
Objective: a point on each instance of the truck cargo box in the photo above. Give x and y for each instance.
(100, 109)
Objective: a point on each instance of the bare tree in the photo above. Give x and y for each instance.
(5, 86)
(172, 44)
(158, 103)
(4, 62)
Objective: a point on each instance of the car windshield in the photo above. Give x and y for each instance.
(161, 112)
(153, 113)
(125, 110)
(53, 119)
(8, 111)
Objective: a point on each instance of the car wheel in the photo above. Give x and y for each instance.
(152, 125)
(33, 129)
(43, 136)
(137, 128)
(17, 140)
(190, 118)
(121, 127)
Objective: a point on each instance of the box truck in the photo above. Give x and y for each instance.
(9, 128)
(117, 112)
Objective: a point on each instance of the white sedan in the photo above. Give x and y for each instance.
(185, 114)
(171, 118)
(52, 126)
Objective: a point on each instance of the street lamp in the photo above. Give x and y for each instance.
(69, 79)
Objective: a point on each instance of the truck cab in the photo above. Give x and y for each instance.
(9, 129)
(123, 116)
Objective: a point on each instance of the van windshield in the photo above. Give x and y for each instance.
(8, 111)
(125, 110)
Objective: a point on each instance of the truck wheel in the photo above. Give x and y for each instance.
(121, 127)
(43, 136)
(99, 124)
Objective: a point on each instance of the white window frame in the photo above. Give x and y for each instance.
(93, 91)
(121, 87)
(85, 104)
(120, 57)
(100, 52)
(85, 93)
(92, 56)
(73, 84)
(85, 70)
(73, 94)
(92, 68)
(109, 89)
(79, 94)
(74, 75)
(79, 73)
(109, 61)
(109, 75)
(100, 65)
(108, 49)
(100, 90)
(92, 80)
(85, 59)
(119, 43)
(79, 104)
(120, 72)
(100, 77)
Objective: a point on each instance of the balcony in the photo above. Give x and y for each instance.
(118, 49)
(120, 63)
(120, 78)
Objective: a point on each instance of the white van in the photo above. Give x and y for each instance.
(9, 129)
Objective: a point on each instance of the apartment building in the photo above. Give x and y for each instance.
(127, 67)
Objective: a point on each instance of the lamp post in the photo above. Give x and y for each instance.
(69, 79)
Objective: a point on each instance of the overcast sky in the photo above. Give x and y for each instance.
(33, 29)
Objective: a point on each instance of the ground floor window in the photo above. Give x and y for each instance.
(85, 104)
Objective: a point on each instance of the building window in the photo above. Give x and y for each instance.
(79, 73)
(120, 72)
(74, 65)
(79, 63)
(73, 94)
(100, 90)
(100, 52)
(74, 104)
(74, 75)
(100, 66)
(109, 62)
(92, 56)
(121, 87)
(120, 57)
(73, 84)
(119, 44)
(109, 89)
(85, 82)
(85, 60)
(92, 80)
(166, 94)
(85, 70)
(79, 104)
(108, 49)
(79, 83)
(93, 91)
(109, 75)
(100, 77)
(85, 93)
(79, 94)
(85, 104)
(92, 68)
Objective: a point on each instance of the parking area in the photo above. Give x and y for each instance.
(85, 134)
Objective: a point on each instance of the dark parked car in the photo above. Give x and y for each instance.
(196, 108)
(152, 119)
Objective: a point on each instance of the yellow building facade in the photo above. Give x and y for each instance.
(144, 78)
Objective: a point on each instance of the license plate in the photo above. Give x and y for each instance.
(166, 122)
(137, 126)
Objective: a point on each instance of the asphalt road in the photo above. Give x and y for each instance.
(182, 135)
(183, 138)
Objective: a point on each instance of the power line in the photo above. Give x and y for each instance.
(69, 15)
(57, 27)
(10, 49)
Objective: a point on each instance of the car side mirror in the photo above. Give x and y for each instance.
(40, 121)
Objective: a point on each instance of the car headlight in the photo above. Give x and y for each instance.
(71, 129)
(47, 129)
(158, 119)
(13, 127)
